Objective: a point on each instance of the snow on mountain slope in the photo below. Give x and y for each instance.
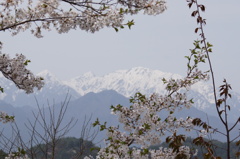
(48, 77)
(126, 82)
(205, 89)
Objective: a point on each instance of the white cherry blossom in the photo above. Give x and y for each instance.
(15, 70)
(64, 15)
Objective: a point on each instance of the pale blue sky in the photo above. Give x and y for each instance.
(156, 42)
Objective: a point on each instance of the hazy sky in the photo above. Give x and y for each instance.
(156, 42)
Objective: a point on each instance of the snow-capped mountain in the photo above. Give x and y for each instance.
(125, 82)
(128, 82)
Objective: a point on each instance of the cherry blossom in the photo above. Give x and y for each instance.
(15, 70)
(63, 15)
(16, 156)
(5, 118)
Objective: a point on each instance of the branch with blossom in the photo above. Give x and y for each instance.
(64, 15)
(15, 70)
(20, 154)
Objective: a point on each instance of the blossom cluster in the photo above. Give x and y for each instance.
(14, 156)
(161, 153)
(144, 126)
(64, 15)
(15, 70)
(5, 118)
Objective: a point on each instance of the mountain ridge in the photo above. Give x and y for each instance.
(126, 82)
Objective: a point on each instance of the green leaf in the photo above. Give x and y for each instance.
(96, 123)
(1, 89)
(26, 62)
(187, 57)
(209, 45)
(209, 50)
(121, 11)
(164, 81)
(130, 23)
(116, 29)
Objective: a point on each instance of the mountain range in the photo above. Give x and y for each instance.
(125, 82)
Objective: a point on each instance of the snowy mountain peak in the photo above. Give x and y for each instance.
(47, 76)
(88, 75)
(142, 71)
(45, 73)
(126, 82)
